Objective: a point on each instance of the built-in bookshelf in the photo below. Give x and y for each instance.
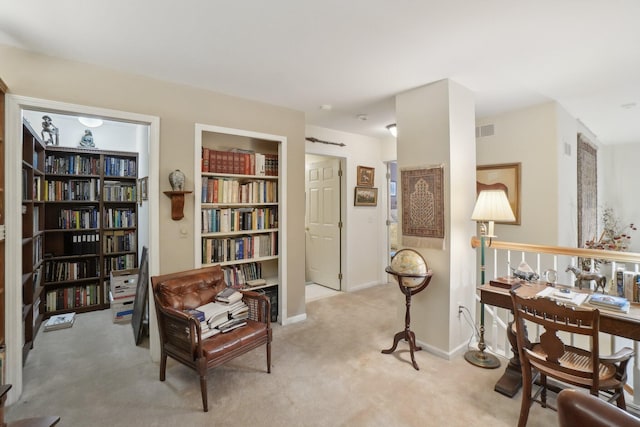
(238, 197)
(91, 225)
(33, 215)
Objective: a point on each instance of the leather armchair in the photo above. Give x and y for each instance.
(576, 409)
(180, 333)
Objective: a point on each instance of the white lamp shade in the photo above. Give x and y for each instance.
(492, 205)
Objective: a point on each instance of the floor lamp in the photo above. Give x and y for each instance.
(492, 205)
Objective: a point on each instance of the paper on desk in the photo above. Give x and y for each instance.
(568, 298)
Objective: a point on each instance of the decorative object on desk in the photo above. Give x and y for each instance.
(176, 179)
(365, 177)
(412, 273)
(491, 205)
(505, 177)
(564, 295)
(550, 276)
(365, 196)
(87, 140)
(59, 321)
(584, 276)
(505, 282)
(615, 236)
(524, 272)
(50, 133)
(422, 207)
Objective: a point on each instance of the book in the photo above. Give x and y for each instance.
(229, 295)
(196, 313)
(610, 302)
(60, 321)
(564, 295)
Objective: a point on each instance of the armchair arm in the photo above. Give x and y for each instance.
(259, 307)
(180, 331)
(622, 355)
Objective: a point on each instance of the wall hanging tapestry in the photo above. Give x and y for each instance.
(422, 206)
(587, 191)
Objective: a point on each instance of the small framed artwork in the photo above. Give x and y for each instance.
(365, 176)
(365, 196)
(504, 177)
(144, 188)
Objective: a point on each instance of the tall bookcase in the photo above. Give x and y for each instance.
(238, 197)
(91, 225)
(32, 234)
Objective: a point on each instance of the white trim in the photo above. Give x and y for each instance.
(13, 220)
(282, 192)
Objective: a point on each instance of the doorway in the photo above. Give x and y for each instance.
(323, 221)
(15, 108)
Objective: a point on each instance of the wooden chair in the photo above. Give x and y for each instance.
(550, 357)
(27, 422)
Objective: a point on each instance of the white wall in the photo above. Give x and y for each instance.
(365, 245)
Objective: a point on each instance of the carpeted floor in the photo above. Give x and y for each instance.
(327, 371)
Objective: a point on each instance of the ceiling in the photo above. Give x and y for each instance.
(356, 55)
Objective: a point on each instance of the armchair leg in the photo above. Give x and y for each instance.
(163, 365)
(269, 357)
(620, 401)
(203, 390)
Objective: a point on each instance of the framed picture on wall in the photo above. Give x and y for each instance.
(144, 188)
(365, 176)
(365, 196)
(501, 177)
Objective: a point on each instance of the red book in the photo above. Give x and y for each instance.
(205, 159)
(213, 161)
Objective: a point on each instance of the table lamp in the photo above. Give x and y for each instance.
(491, 205)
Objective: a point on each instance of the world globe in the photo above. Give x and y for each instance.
(409, 262)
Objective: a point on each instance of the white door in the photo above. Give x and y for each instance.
(323, 222)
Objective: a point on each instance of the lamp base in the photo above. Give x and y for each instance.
(481, 359)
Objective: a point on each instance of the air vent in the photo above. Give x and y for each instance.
(486, 130)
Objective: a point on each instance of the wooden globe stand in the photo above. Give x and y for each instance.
(407, 334)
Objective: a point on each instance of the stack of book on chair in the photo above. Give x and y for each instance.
(225, 314)
(610, 302)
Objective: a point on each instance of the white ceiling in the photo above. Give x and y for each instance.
(356, 55)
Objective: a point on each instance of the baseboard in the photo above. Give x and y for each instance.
(295, 319)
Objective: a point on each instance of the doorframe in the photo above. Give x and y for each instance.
(13, 218)
(342, 258)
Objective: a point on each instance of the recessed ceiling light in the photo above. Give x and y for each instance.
(363, 117)
(90, 122)
(326, 107)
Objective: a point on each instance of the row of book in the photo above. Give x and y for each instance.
(58, 271)
(225, 190)
(216, 250)
(72, 297)
(116, 166)
(241, 162)
(628, 285)
(120, 241)
(238, 219)
(569, 297)
(79, 218)
(71, 164)
(118, 192)
(119, 217)
(241, 275)
(119, 262)
(75, 190)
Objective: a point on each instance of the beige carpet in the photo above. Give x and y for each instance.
(327, 371)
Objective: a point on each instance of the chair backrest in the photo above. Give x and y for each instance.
(556, 318)
(188, 289)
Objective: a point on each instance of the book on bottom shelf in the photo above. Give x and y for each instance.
(60, 321)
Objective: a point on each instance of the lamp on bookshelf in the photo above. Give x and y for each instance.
(491, 205)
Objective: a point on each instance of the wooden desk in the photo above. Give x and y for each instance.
(626, 325)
